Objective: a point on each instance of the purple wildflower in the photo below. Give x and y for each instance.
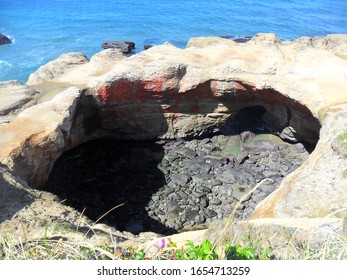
(160, 244)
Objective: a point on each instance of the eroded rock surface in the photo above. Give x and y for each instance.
(34, 139)
(14, 96)
(166, 93)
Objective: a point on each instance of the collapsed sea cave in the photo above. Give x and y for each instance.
(166, 186)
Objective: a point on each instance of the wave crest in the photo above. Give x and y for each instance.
(4, 63)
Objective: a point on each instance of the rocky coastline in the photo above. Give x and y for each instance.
(194, 96)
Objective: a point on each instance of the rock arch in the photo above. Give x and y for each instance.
(124, 110)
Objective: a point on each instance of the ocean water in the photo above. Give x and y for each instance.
(44, 29)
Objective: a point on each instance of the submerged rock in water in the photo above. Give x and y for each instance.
(4, 40)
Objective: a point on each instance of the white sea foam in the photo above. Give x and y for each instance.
(4, 63)
(12, 38)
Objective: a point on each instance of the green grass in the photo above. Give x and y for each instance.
(343, 138)
(50, 249)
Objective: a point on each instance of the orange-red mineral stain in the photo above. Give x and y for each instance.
(150, 89)
(172, 115)
(239, 86)
(124, 90)
(214, 86)
(119, 91)
(103, 92)
(155, 85)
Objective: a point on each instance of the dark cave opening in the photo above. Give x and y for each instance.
(102, 175)
(247, 119)
(258, 120)
(165, 186)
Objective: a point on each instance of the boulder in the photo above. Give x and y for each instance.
(56, 68)
(65, 71)
(14, 96)
(37, 136)
(4, 40)
(124, 46)
(103, 61)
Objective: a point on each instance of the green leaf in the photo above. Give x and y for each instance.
(236, 252)
(139, 256)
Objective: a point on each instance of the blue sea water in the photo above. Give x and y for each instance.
(44, 29)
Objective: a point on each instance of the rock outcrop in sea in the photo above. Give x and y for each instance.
(295, 90)
(4, 40)
(124, 47)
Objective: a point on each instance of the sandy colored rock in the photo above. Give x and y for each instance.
(53, 70)
(35, 138)
(14, 95)
(166, 92)
(318, 187)
(73, 69)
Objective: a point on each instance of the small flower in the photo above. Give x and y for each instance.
(160, 244)
(124, 252)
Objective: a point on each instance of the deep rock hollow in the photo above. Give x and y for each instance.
(167, 185)
(192, 101)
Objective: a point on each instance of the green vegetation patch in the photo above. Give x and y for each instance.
(268, 137)
(234, 145)
(231, 150)
(343, 138)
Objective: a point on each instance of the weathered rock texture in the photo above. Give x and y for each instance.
(37, 135)
(15, 96)
(166, 92)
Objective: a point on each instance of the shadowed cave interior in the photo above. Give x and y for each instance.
(166, 186)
